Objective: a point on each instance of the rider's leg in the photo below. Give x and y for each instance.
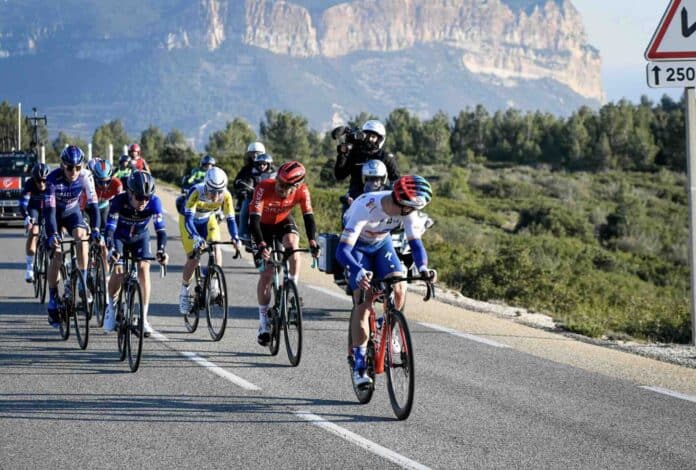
(292, 241)
(79, 233)
(144, 279)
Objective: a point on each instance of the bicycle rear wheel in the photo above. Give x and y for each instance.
(362, 393)
(398, 360)
(134, 325)
(121, 326)
(35, 268)
(216, 302)
(80, 309)
(292, 323)
(191, 318)
(41, 271)
(98, 288)
(65, 305)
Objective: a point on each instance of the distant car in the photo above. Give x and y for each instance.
(15, 169)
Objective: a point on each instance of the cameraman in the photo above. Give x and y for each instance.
(355, 149)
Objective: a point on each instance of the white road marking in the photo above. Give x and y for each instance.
(671, 393)
(323, 290)
(219, 371)
(468, 336)
(400, 460)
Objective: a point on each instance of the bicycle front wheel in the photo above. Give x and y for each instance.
(134, 326)
(41, 272)
(398, 360)
(121, 326)
(292, 323)
(193, 315)
(80, 309)
(216, 302)
(98, 289)
(65, 306)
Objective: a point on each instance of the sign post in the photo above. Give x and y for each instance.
(672, 56)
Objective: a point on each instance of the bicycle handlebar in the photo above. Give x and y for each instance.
(430, 287)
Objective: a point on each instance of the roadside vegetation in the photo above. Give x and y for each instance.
(584, 218)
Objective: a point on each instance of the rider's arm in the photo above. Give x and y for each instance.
(49, 212)
(413, 226)
(158, 222)
(255, 228)
(228, 211)
(255, 211)
(189, 212)
(307, 212)
(392, 168)
(92, 200)
(342, 167)
(344, 251)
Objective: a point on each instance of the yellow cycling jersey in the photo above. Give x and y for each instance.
(202, 207)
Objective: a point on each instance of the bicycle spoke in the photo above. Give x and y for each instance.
(216, 302)
(293, 323)
(399, 365)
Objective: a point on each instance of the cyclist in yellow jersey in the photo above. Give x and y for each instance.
(199, 224)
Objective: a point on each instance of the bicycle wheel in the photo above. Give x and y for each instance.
(80, 309)
(216, 302)
(134, 325)
(98, 288)
(362, 393)
(35, 268)
(40, 272)
(398, 365)
(274, 325)
(292, 322)
(65, 305)
(193, 315)
(121, 326)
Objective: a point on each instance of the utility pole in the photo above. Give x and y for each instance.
(34, 123)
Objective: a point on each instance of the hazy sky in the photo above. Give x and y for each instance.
(621, 30)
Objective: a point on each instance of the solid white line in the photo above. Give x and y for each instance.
(343, 297)
(468, 336)
(217, 370)
(671, 393)
(403, 462)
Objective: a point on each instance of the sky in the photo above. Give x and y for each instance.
(621, 30)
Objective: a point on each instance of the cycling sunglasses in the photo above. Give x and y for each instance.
(73, 167)
(282, 185)
(40, 180)
(140, 198)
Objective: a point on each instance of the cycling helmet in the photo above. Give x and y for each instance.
(375, 127)
(134, 149)
(141, 183)
(256, 147)
(91, 163)
(123, 159)
(292, 172)
(40, 171)
(102, 170)
(412, 191)
(72, 155)
(376, 171)
(215, 180)
(208, 160)
(262, 158)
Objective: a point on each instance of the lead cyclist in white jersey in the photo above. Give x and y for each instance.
(366, 246)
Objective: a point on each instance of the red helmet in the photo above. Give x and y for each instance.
(291, 172)
(134, 149)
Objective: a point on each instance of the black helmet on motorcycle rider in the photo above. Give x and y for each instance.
(262, 162)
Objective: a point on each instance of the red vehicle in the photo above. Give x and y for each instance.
(15, 169)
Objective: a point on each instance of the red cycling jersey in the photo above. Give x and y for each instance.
(272, 208)
(139, 164)
(104, 193)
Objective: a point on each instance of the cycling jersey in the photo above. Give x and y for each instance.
(199, 207)
(126, 223)
(139, 164)
(272, 208)
(32, 197)
(104, 193)
(61, 200)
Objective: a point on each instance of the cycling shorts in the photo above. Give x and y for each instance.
(380, 258)
(208, 229)
(279, 230)
(138, 246)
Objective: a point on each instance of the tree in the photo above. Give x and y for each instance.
(8, 128)
(432, 143)
(470, 135)
(63, 140)
(401, 127)
(228, 146)
(285, 135)
(152, 142)
(110, 133)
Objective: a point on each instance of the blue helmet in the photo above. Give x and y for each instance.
(40, 171)
(123, 158)
(102, 170)
(208, 160)
(72, 155)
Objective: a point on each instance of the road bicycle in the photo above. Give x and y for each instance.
(210, 293)
(96, 282)
(389, 346)
(129, 312)
(72, 298)
(40, 265)
(286, 312)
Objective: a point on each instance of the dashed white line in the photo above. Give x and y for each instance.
(468, 336)
(671, 393)
(403, 462)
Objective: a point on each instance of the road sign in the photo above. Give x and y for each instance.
(675, 36)
(675, 74)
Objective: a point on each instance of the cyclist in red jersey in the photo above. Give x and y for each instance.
(269, 217)
(137, 161)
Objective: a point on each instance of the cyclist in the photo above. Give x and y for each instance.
(269, 217)
(366, 245)
(244, 186)
(126, 229)
(137, 162)
(199, 225)
(351, 158)
(124, 169)
(31, 204)
(62, 211)
(197, 175)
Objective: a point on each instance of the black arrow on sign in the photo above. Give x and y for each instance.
(686, 29)
(656, 71)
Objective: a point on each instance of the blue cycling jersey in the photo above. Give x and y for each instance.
(125, 222)
(61, 198)
(32, 197)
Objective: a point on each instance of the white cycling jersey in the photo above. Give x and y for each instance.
(366, 221)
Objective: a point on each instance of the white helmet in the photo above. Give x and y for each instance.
(215, 179)
(256, 147)
(378, 128)
(374, 169)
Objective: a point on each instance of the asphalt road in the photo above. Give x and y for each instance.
(199, 404)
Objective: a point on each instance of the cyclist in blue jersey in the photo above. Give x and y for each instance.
(31, 204)
(126, 229)
(62, 211)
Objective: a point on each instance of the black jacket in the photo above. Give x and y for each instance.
(350, 164)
